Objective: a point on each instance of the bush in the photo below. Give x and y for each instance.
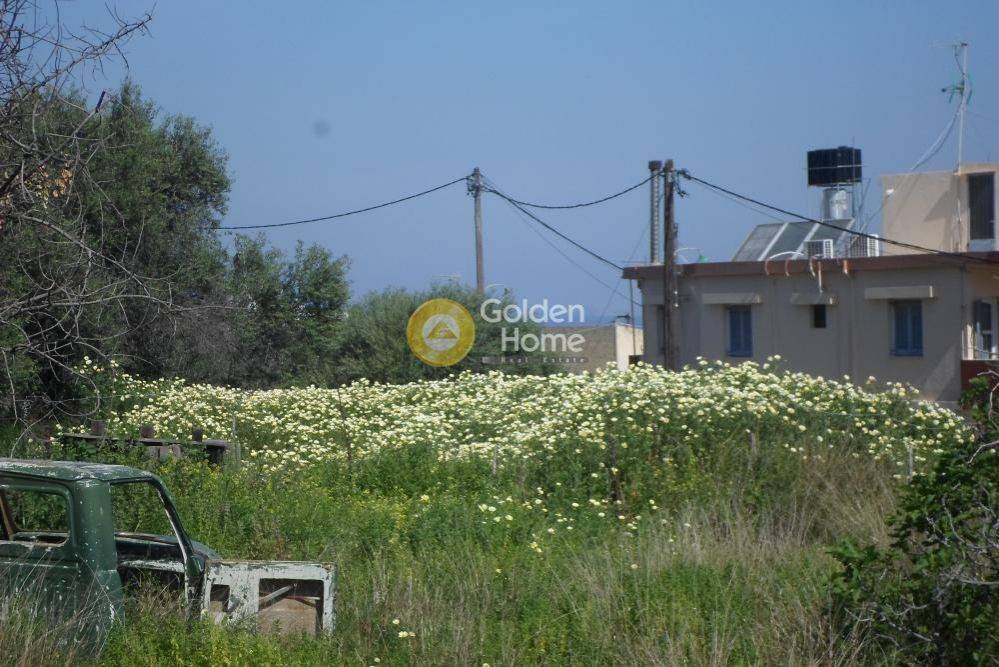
(931, 594)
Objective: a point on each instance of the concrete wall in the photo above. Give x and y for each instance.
(604, 344)
(858, 337)
(922, 209)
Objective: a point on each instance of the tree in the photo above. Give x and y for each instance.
(373, 342)
(167, 181)
(61, 276)
(287, 314)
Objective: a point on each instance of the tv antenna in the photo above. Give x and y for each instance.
(963, 89)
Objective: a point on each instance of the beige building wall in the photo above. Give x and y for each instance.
(923, 209)
(604, 344)
(859, 333)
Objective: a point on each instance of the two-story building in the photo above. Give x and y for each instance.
(832, 303)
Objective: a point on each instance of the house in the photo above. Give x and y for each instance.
(833, 303)
(620, 343)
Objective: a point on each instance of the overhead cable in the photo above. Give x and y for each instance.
(347, 213)
(902, 244)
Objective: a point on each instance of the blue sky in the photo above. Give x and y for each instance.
(327, 106)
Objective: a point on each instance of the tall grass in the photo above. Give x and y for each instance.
(736, 577)
(703, 546)
(40, 627)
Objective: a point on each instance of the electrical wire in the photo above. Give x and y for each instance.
(553, 230)
(582, 204)
(347, 213)
(614, 290)
(938, 144)
(962, 257)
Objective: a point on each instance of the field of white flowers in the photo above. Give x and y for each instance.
(508, 420)
(638, 517)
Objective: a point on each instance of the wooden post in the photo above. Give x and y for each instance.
(670, 296)
(480, 273)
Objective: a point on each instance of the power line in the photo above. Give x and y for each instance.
(553, 230)
(614, 290)
(347, 213)
(911, 246)
(583, 204)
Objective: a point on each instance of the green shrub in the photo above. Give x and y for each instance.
(932, 593)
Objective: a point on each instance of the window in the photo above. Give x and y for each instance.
(908, 328)
(819, 316)
(136, 508)
(740, 331)
(984, 339)
(982, 205)
(34, 516)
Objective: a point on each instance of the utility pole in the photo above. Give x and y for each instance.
(475, 189)
(670, 297)
(655, 246)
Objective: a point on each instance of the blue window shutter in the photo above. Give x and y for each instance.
(908, 316)
(747, 331)
(901, 329)
(733, 331)
(740, 331)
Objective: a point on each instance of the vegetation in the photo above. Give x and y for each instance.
(637, 517)
(930, 593)
(373, 341)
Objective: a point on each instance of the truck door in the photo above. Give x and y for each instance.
(38, 556)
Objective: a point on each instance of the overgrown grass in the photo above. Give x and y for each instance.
(704, 549)
(734, 576)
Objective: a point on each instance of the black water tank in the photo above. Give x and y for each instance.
(834, 166)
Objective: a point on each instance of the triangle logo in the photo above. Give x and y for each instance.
(442, 332)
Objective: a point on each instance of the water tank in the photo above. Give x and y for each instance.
(836, 204)
(834, 166)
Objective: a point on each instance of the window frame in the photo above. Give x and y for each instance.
(905, 309)
(24, 547)
(745, 315)
(987, 205)
(983, 341)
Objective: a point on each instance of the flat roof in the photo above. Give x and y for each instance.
(71, 471)
(883, 263)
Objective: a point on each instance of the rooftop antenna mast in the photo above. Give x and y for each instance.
(964, 90)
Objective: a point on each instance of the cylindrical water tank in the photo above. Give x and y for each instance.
(836, 204)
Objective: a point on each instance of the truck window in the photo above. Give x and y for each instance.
(35, 516)
(148, 548)
(138, 509)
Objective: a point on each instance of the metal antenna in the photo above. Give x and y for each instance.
(962, 89)
(964, 100)
(655, 244)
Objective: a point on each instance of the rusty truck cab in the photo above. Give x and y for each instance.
(58, 532)
(85, 534)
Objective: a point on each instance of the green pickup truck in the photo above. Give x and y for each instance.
(83, 535)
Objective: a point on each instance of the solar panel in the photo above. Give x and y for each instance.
(771, 239)
(757, 241)
(792, 238)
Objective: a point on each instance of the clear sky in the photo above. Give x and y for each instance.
(327, 106)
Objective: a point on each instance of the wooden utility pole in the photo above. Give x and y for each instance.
(476, 190)
(671, 304)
